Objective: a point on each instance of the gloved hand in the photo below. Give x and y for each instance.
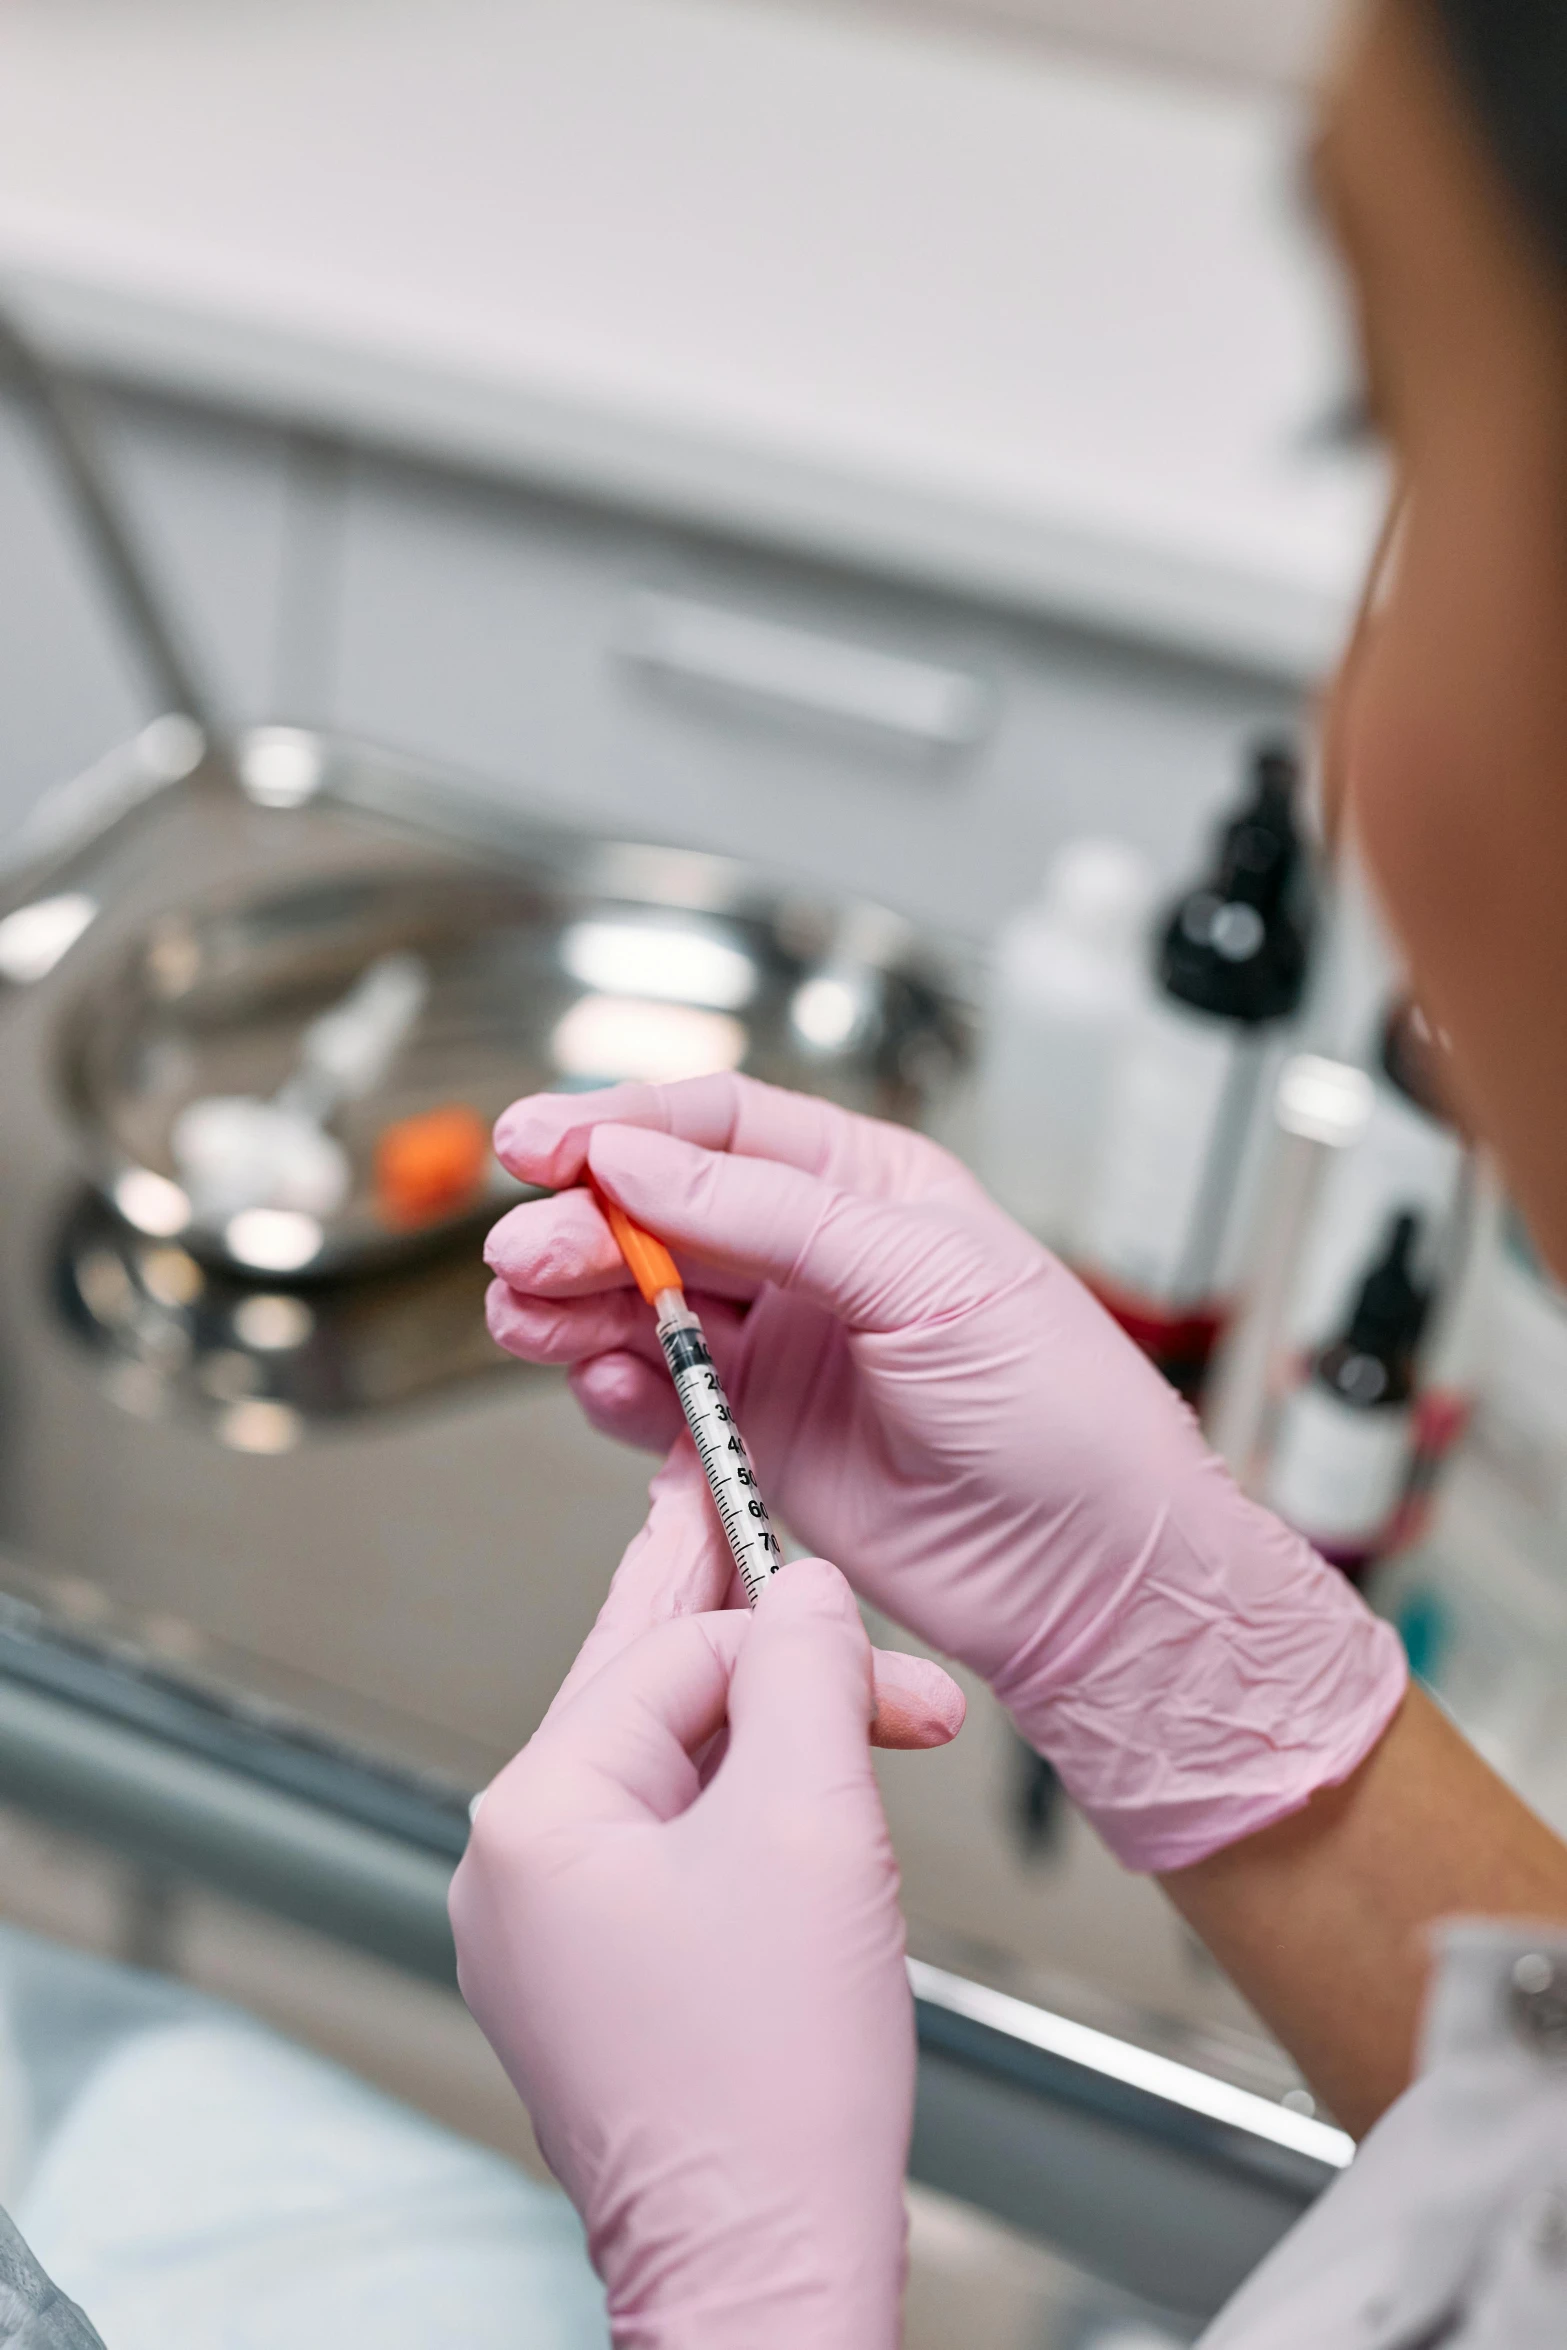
(699, 1989)
(932, 1400)
(678, 1564)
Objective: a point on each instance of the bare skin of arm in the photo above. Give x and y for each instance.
(1323, 1922)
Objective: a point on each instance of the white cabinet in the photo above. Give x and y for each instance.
(794, 714)
(928, 751)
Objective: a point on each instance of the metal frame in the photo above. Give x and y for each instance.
(1022, 2110)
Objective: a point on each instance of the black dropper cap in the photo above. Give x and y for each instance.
(1391, 1305)
(1384, 1328)
(1260, 847)
(1236, 945)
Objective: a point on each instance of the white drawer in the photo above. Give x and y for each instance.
(929, 752)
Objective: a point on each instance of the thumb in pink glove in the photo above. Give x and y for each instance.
(699, 1991)
(933, 1401)
(679, 1564)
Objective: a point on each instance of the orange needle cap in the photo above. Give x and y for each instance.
(651, 1266)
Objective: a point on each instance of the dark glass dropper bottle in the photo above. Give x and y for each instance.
(1345, 1447)
(1235, 947)
(1372, 1367)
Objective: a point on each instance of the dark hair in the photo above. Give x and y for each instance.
(1512, 56)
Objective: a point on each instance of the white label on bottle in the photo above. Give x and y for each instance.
(1338, 1474)
(1182, 1105)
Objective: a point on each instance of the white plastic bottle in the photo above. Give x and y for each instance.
(1068, 973)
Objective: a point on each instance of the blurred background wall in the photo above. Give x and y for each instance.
(864, 317)
(1269, 41)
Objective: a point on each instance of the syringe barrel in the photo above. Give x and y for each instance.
(720, 1447)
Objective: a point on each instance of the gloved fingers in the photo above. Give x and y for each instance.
(562, 1248)
(628, 1742)
(711, 1759)
(550, 1331)
(631, 1400)
(917, 1704)
(544, 1138)
(556, 1247)
(568, 1330)
(616, 1321)
(677, 1564)
(862, 1260)
(802, 1696)
(622, 1744)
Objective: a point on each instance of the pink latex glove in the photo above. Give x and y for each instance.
(699, 1989)
(933, 1401)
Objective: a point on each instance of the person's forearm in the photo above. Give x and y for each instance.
(1321, 1921)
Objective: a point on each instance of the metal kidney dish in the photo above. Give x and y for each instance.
(295, 1074)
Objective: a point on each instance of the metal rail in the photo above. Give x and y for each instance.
(60, 416)
(1025, 2111)
(231, 1795)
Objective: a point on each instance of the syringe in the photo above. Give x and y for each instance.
(720, 1447)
